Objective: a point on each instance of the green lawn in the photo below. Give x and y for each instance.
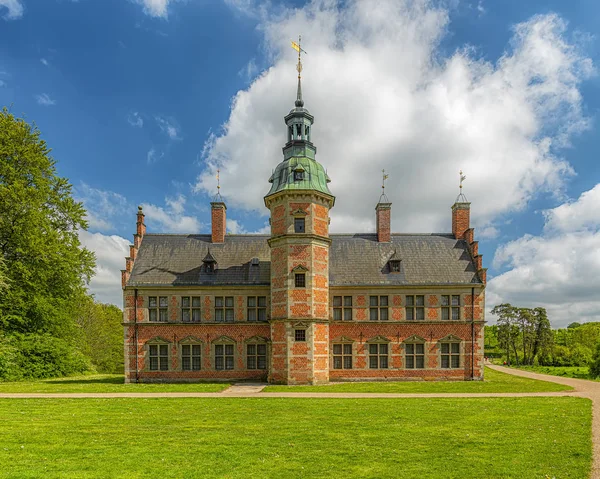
(577, 372)
(103, 383)
(272, 438)
(495, 382)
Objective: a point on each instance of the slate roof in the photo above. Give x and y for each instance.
(355, 259)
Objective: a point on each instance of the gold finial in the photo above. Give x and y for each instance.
(462, 178)
(383, 196)
(461, 198)
(218, 196)
(298, 48)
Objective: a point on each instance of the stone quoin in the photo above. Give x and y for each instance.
(301, 305)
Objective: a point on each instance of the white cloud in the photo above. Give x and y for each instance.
(488, 232)
(558, 269)
(110, 260)
(45, 100)
(154, 156)
(249, 71)
(236, 228)
(155, 8)
(44, 62)
(102, 206)
(168, 126)
(172, 218)
(581, 214)
(480, 8)
(14, 9)
(134, 119)
(383, 97)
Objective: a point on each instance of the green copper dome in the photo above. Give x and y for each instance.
(299, 170)
(299, 173)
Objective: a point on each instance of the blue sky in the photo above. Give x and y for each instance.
(141, 101)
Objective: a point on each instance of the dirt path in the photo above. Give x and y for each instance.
(583, 388)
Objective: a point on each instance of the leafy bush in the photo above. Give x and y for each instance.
(31, 356)
(595, 365)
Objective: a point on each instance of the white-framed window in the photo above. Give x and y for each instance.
(158, 308)
(224, 309)
(415, 307)
(257, 308)
(450, 355)
(158, 357)
(378, 308)
(342, 356)
(342, 308)
(190, 309)
(379, 355)
(191, 357)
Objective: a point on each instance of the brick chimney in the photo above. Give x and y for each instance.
(141, 227)
(219, 224)
(384, 213)
(460, 219)
(140, 231)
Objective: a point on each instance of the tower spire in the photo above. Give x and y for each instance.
(297, 46)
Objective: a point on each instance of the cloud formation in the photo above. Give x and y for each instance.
(155, 8)
(171, 218)
(134, 119)
(168, 126)
(559, 268)
(384, 97)
(14, 9)
(45, 100)
(103, 207)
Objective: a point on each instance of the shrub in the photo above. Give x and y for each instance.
(595, 364)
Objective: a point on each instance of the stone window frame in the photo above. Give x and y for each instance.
(256, 341)
(299, 276)
(343, 342)
(191, 309)
(158, 342)
(298, 336)
(413, 341)
(223, 341)
(158, 308)
(451, 340)
(190, 341)
(414, 307)
(379, 341)
(256, 309)
(224, 309)
(299, 224)
(379, 308)
(343, 308)
(449, 305)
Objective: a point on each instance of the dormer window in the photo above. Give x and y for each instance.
(210, 263)
(395, 266)
(298, 175)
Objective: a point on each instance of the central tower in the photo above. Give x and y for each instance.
(299, 201)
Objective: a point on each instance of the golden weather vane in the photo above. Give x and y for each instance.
(299, 49)
(462, 178)
(383, 197)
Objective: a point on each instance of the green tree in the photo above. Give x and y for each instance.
(573, 325)
(595, 365)
(508, 329)
(46, 267)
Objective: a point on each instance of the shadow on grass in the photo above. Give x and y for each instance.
(117, 380)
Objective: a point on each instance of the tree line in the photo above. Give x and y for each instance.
(49, 323)
(523, 336)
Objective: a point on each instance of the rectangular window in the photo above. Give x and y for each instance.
(190, 357)
(223, 356)
(224, 309)
(378, 308)
(159, 357)
(450, 355)
(190, 309)
(342, 356)
(300, 280)
(415, 356)
(158, 308)
(415, 307)
(299, 225)
(455, 307)
(256, 356)
(451, 310)
(300, 335)
(342, 308)
(257, 308)
(378, 356)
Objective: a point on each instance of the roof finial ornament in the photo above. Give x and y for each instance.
(383, 198)
(461, 198)
(299, 49)
(218, 196)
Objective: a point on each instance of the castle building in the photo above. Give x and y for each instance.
(301, 305)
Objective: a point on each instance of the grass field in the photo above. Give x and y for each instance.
(564, 371)
(274, 438)
(104, 383)
(495, 382)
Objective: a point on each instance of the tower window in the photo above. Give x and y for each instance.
(299, 225)
(298, 175)
(300, 334)
(300, 280)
